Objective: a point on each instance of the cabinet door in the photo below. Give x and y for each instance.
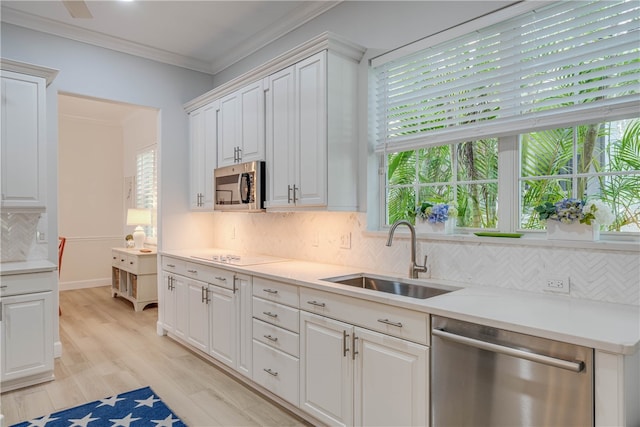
(391, 381)
(180, 289)
(242, 286)
(252, 122)
(280, 138)
(203, 137)
(326, 369)
(228, 129)
(198, 315)
(311, 130)
(26, 335)
(168, 302)
(223, 325)
(22, 141)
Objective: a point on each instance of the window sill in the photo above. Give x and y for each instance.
(526, 240)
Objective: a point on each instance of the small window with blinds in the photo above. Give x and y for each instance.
(146, 186)
(445, 117)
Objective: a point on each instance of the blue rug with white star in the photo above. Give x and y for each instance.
(135, 408)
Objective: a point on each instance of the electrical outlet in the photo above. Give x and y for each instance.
(555, 284)
(345, 240)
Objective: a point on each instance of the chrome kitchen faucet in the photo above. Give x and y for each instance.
(414, 268)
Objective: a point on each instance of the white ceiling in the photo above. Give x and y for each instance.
(206, 36)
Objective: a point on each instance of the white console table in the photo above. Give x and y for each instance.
(134, 276)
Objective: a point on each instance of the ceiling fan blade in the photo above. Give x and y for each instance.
(77, 9)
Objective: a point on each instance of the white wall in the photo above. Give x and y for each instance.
(90, 170)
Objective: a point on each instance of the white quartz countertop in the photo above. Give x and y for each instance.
(23, 267)
(604, 326)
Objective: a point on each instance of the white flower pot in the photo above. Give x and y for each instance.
(424, 226)
(557, 230)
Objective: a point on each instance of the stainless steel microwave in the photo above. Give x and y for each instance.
(240, 187)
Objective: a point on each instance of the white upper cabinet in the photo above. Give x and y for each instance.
(23, 141)
(241, 126)
(311, 136)
(203, 146)
(299, 115)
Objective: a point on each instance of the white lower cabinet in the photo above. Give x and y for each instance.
(26, 330)
(222, 324)
(391, 381)
(174, 304)
(275, 338)
(351, 375)
(210, 309)
(197, 314)
(326, 371)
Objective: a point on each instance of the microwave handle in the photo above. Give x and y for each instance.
(246, 179)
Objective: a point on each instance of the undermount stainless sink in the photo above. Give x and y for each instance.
(391, 285)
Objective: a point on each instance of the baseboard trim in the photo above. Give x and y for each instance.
(83, 284)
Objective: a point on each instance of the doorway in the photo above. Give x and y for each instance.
(99, 146)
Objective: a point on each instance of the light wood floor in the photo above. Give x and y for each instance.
(109, 349)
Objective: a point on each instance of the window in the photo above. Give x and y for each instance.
(599, 160)
(547, 95)
(146, 186)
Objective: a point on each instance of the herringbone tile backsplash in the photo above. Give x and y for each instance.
(595, 274)
(18, 235)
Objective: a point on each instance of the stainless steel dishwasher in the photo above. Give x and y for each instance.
(482, 376)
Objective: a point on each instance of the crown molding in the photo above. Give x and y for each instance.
(49, 26)
(300, 16)
(30, 69)
(325, 41)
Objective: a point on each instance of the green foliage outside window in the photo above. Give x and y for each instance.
(595, 161)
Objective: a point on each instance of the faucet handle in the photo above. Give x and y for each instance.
(424, 266)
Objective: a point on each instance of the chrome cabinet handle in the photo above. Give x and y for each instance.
(345, 349)
(270, 372)
(316, 303)
(193, 271)
(294, 193)
(289, 193)
(235, 277)
(239, 154)
(169, 265)
(270, 314)
(270, 338)
(388, 322)
(270, 291)
(576, 366)
(222, 279)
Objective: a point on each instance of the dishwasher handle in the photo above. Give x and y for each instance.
(577, 366)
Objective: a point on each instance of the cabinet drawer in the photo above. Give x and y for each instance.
(398, 322)
(275, 291)
(276, 371)
(18, 284)
(142, 264)
(118, 259)
(208, 274)
(174, 265)
(276, 337)
(276, 314)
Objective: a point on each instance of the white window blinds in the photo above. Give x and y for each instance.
(146, 185)
(565, 63)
